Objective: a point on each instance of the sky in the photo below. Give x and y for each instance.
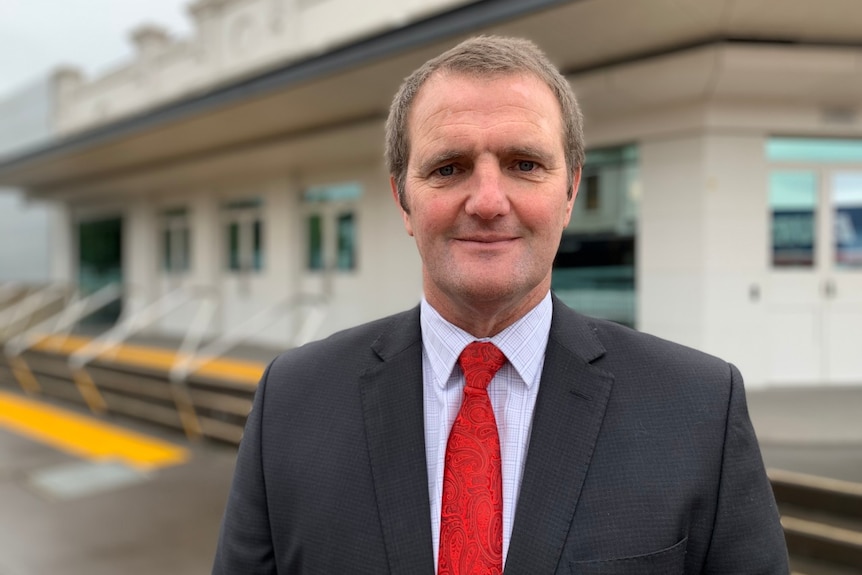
(36, 36)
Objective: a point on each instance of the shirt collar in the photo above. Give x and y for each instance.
(523, 342)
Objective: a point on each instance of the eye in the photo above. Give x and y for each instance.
(446, 170)
(526, 166)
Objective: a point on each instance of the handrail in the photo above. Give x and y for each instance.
(197, 329)
(25, 308)
(191, 362)
(64, 321)
(108, 342)
(8, 291)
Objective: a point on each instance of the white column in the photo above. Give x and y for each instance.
(62, 244)
(671, 244)
(736, 247)
(140, 255)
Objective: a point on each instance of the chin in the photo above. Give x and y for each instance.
(490, 292)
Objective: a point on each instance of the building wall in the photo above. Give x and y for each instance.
(699, 117)
(671, 244)
(25, 122)
(386, 279)
(705, 272)
(736, 239)
(230, 39)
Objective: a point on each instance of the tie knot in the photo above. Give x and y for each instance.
(480, 360)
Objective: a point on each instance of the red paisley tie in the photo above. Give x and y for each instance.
(471, 523)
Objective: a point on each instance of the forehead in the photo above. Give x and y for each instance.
(448, 103)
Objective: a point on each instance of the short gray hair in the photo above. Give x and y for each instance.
(483, 56)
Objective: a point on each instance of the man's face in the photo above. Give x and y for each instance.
(486, 190)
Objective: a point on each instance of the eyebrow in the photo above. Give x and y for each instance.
(529, 152)
(440, 159)
(447, 156)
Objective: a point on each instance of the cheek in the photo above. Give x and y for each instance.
(548, 218)
(432, 218)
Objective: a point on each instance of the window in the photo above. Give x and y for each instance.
(315, 242)
(176, 247)
(795, 195)
(244, 235)
(331, 232)
(816, 150)
(591, 185)
(847, 207)
(793, 203)
(594, 271)
(346, 259)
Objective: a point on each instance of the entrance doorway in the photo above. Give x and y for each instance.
(100, 248)
(814, 307)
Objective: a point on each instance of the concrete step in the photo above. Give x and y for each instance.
(822, 521)
(209, 406)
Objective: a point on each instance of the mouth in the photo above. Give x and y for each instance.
(487, 240)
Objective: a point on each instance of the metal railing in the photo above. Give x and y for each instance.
(18, 316)
(107, 345)
(315, 306)
(197, 347)
(9, 291)
(60, 324)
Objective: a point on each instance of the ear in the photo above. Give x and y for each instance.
(404, 215)
(576, 181)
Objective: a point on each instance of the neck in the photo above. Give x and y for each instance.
(484, 318)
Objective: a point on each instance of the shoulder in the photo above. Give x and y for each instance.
(615, 342)
(640, 349)
(643, 365)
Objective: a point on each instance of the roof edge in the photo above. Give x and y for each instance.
(460, 20)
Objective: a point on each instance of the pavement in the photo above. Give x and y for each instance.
(64, 514)
(815, 430)
(67, 514)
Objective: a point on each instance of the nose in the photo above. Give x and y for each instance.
(487, 198)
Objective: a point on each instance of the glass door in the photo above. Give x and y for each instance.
(842, 282)
(815, 292)
(100, 262)
(794, 299)
(815, 301)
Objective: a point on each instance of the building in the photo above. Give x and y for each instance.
(721, 204)
(25, 121)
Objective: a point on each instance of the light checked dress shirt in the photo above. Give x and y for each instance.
(513, 394)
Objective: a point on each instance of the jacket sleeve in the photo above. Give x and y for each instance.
(747, 537)
(245, 542)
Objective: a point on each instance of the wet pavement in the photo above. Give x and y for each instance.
(815, 430)
(67, 516)
(63, 515)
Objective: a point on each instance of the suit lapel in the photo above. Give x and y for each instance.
(392, 406)
(569, 411)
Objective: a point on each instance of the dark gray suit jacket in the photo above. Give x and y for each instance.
(642, 460)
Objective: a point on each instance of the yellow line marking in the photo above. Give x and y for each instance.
(247, 372)
(86, 437)
(88, 390)
(23, 375)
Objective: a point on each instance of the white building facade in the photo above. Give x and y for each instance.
(721, 204)
(26, 121)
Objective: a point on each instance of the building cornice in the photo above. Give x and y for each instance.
(459, 21)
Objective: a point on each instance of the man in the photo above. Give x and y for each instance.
(570, 445)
